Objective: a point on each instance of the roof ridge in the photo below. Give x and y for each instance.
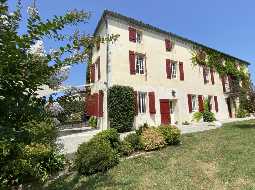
(157, 29)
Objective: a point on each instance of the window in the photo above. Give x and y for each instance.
(174, 70)
(194, 102)
(210, 102)
(139, 64)
(206, 75)
(139, 37)
(142, 102)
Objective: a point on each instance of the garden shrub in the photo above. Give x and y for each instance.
(141, 128)
(121, 107)
(242, 113)
(95, 156)
(109, 135)
(152, 139)
(170, 133)
(126, 148)
(135, 141)
(208, 116)
(92, 122)
(197, 116)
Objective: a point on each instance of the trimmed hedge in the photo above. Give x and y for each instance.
(134, 140)
(121, 108)
(99, 154)
(95, 156)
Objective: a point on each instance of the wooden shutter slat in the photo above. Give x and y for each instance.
(168, 68)
(212, 75)
(204, 74)
(132, 62)
(132, 34)
(152, 103)
(216, 104)
(200, 103)
(223, 83)
(181, 71)
(98, 69)
(190, 103)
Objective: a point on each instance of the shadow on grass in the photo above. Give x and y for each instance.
(76, 181)
(244, 125)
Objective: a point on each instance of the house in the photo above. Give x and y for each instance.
(158, 65)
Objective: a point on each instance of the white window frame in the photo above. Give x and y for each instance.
(172, 106)
(139, 40)
(140, 64)
(194, 103)
(142, 102)
(174, 70)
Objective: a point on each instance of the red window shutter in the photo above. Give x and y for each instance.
(168, 68)
(98, 69)
(152, 103)
(212, 75)
(92, 73)
(223, 83)
(135, 103)
(200, 103)
(204, 74)
(190, 103)
(168, 45)
(216, 103)
(132, 34)
(101, 103)
(132, 62)
(98, 45)
(181, 71)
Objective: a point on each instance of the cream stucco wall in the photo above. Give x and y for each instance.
(153, 46)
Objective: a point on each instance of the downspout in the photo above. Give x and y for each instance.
(107, 68)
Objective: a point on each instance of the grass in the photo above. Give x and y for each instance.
(218, 159)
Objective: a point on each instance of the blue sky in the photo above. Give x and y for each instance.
(224, 25)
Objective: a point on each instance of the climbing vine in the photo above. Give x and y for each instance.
(223, 64)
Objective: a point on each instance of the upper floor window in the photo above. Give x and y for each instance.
(174, 70)
(206, 75)
(134, 35)
(139, 37)
(139, 64)
(142, 102)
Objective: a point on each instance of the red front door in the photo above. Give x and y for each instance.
(165, 111)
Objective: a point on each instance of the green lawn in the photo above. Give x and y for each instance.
(218, 159)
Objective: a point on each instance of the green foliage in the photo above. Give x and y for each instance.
(208, 116)
(92, 122)
(95, 156)
(142, 128)
(242, 113)
(152, 139)
(214, 59)
(171, 134)
(73, 106)
(134, 140)
(109, 135)
(27, 133)
(126, 148)
(197, 116)
(121, 108)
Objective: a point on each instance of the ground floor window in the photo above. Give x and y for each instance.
(194, 102)
(142, 102)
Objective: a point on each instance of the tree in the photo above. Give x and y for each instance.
(27, 131)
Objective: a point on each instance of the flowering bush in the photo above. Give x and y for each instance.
(152, 139)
